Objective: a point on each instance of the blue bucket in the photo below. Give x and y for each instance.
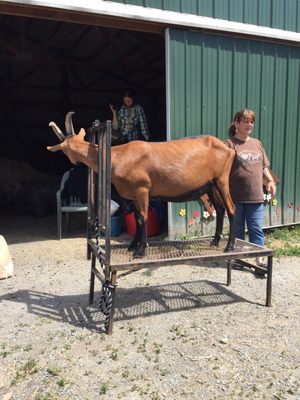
(117, 223)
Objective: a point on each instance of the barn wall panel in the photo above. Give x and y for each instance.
(212, 77)
(281, 14)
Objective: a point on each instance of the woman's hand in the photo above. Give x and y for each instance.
(112, 108)
(271, 188)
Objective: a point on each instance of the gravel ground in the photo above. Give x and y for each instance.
(179, 332)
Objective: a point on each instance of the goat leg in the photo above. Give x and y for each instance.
(137, 237)
(142, 235)
(220, 211)
(230, 244)
(133, 245)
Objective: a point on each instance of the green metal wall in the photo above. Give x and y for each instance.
(281, 14)
(210, 78)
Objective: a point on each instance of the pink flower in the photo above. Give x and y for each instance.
(196, 214)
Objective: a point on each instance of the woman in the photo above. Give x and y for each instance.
(130, 121)
(246, 181)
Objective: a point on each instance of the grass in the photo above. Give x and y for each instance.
(284, 241)
(29, 368)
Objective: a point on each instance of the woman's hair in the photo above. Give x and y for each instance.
(238, 117)
(129, 93)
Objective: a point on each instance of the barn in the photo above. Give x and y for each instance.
(192, 63)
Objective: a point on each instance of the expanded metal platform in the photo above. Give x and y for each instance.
(116, 258)
(166, 252)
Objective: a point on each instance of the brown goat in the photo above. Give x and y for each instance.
(177, 170)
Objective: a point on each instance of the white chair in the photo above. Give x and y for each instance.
(68, 203)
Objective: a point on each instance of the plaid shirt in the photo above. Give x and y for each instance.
(133, 128)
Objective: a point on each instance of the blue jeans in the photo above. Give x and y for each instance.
(252, 214)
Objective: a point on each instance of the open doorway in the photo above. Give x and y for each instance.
(49, 68)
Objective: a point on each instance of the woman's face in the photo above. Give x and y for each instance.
(245, 126)
(128, 101)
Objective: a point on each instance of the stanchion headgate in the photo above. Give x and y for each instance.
(115, 258)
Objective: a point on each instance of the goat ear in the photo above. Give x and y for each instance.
(81, 133)
(57, 147)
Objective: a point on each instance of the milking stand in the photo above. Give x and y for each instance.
(114, 258)
(99, 222)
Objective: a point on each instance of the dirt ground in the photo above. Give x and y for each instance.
(179, 331)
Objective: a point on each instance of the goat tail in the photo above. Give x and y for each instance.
(242, 162)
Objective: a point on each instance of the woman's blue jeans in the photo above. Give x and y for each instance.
(251, 214)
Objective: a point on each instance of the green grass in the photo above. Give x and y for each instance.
(284, 241)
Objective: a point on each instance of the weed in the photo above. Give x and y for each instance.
(54, 371)
(61, 382)
(29, 368)
(103, 388)
(157, 347)
(148, 273)
(114, 354)
(125, 373)
(179, 331)
(28, 347)
(142, 347)
(46, 396)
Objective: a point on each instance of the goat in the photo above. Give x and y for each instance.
(177, 170)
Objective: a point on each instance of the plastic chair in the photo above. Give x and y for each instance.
(67, 200)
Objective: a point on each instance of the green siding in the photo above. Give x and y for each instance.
(210, 78)
(281, 14)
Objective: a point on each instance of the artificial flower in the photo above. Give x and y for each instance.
(267, 197)
(191, 221)
(205, 214)
(182, 212)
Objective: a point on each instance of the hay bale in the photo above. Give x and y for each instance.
(20, 183)
(6, 264)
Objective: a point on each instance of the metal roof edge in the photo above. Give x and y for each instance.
(158, 16)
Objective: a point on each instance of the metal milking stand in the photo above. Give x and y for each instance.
(99, 222)
(174, 252)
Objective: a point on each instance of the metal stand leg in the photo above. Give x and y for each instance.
(229, 267)
(269, 281)
(92, 281)
(106, 303)
(109, 327)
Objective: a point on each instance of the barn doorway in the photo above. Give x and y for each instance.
(49, 68)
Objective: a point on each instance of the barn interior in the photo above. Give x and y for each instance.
(51, 67)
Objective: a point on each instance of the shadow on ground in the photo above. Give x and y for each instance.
(130, 303)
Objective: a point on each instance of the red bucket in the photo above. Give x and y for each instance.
(153, 223)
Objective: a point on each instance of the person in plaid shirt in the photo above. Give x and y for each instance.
(130, 121)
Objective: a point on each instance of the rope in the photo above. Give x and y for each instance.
(105, 303)
(98, 245)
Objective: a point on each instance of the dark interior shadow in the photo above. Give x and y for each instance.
(27, 228)
(130, 303)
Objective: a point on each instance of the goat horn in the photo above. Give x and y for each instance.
(69, 123)
(57, 131)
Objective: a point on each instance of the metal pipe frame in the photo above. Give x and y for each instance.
(115, 258)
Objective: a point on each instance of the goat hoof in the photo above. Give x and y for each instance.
(139, 254)
(229, 248)
(214, 243)
(132, 246)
